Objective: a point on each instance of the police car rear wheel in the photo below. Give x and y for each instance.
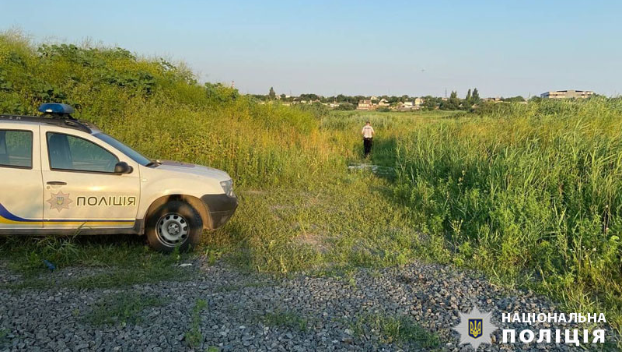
(174, 224)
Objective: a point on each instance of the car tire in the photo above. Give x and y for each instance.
(173, 225)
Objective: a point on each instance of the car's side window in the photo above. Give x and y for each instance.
(16, 149)
(73, 153)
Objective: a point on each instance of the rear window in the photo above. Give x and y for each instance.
(16, 148)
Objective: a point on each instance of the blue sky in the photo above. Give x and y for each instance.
(503, 48)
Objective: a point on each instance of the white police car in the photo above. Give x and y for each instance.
(61, 175)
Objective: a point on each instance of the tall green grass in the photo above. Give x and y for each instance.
(528, 192)
(161, 110)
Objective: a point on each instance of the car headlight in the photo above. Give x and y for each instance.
(227, 186)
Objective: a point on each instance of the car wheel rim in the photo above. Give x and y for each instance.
(172, 229)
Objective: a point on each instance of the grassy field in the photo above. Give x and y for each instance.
(528, 194)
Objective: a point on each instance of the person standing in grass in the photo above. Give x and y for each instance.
(368, 137)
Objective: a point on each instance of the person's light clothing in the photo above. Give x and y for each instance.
(368, 132)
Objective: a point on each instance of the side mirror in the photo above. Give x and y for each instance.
(123, 168)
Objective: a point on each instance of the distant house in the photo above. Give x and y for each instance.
(405, 106)
(567, 94)
(383, 103)
(418, 103)
(365, 104)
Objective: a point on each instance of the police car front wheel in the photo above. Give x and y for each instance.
(174, 224)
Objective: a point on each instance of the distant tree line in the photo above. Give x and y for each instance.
(350, 102)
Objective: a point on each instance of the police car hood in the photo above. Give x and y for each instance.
(192, 169)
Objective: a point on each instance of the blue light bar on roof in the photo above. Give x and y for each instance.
(56, 108)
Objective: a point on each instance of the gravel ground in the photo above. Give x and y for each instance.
(252, 312)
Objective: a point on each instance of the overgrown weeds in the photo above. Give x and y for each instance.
(534, 194)
(194, 337)
(122, 308)
(104, 262)
(286, 319)
(400, 330)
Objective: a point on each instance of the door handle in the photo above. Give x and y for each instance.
(57, 183)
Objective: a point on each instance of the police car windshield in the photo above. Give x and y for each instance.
(131, 153)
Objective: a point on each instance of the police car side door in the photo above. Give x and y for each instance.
(21, 185)
(81, 189)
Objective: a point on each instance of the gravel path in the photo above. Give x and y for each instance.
(261, 313)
